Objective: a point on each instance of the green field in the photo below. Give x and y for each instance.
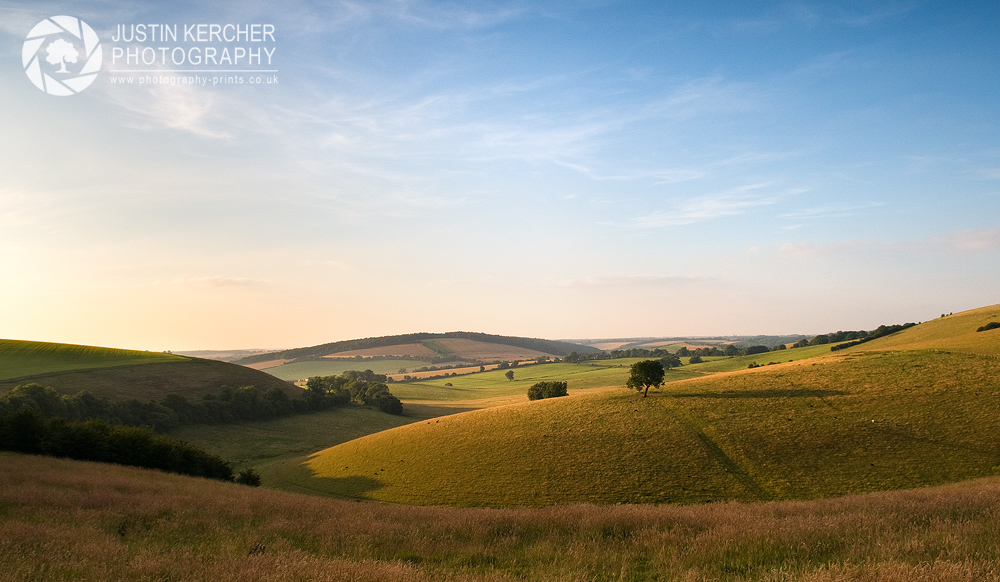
(70, 520)
(261, 443)
(871, 418)
(332, 367)
(19, 359)
(122, 374)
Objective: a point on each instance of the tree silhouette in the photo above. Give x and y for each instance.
(645, 374)
(60, 53)
(509, 374)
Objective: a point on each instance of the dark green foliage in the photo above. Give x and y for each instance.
(248, 477)
(509, 374)
(225, 406)
(550, 389)
(375, 394)
(644, 374)
(27, 431)
(989, 326)
(880, 331)
(751, 350)
(695, 359)
(671, 361)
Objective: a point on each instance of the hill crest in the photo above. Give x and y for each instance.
(550, 347)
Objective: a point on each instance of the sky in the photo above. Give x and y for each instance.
(577, 169)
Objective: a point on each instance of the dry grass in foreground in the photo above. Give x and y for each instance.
(66, 520)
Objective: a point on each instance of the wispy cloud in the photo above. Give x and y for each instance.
(631, 281)
(727, 203)
(830, 211)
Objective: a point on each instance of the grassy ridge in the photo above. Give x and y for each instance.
(122, 374)
(557, 348)
(20, 359)
(63, 520)
(864, 420)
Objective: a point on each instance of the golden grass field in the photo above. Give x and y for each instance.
(895, 413)
(70, 520)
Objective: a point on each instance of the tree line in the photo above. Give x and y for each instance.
(225, 406)
(27, 431)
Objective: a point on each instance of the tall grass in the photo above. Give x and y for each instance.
(66, 520)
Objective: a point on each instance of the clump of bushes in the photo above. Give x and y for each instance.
(550, 389)
(248, 477)
(989, 326)
(27, 431)
(365, 388)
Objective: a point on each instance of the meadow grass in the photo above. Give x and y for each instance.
(851, 421)
(69, 520)
(261, 443)
(19, 359)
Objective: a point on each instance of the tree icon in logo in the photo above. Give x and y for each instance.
(61, 52)
(62, 38)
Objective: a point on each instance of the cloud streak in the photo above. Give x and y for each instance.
(728, 203)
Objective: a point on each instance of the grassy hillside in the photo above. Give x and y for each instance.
(20, 359)
(120, 374)
(429, 340)
(956, 333)
(859, 420)
(67, 520)
(263, 442)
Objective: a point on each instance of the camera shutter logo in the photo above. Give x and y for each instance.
(55, 43)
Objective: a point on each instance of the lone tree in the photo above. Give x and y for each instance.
(645, 374)
(510, 374)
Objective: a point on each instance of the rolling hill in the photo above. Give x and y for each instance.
(122, 374)
(457, 346)
(913, 409)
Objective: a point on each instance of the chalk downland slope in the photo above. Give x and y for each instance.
(905, 411)
(457, 345)
(122, 374)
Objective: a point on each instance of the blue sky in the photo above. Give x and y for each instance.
(550, 169)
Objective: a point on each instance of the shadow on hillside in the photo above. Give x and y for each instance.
(790, 393)
(353, 487)
(297, 476)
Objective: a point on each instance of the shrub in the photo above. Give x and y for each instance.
(248, 477)
(550, 389)
(989, 326)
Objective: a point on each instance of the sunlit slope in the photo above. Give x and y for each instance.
(23, 358)
(850, 422)
(953, 333)
(122, 374)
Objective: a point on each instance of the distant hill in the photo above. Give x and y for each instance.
(913, 409)
(427, 344)
(122, 374)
